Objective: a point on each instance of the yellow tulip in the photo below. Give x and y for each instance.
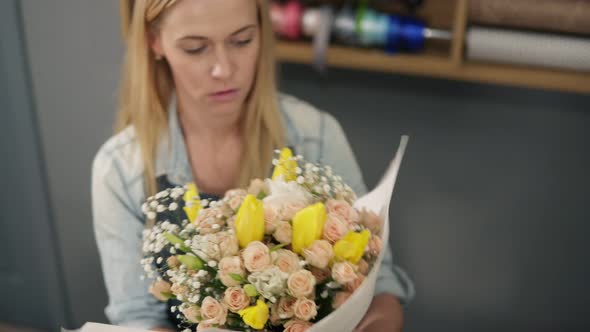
(352, 246)
(192, 206)
(286, 167)
(255, 316)
(250, 221)
(307, 226)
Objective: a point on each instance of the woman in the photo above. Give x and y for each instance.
(199, 103)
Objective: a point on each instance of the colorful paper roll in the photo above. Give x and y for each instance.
(528, 48)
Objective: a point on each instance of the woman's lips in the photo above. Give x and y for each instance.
(225, 95)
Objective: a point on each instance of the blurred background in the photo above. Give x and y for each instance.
(489, 216)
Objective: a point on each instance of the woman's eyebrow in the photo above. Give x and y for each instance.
(232, 34)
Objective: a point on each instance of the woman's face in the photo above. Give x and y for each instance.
(212, 48)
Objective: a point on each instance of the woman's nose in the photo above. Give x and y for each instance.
(222, 66)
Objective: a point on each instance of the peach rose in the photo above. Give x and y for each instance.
(355, 284)
(343, 272)
(285, 307)
(208, 222)
(320, 275)
(342, 209)
(335, 228)
(203, 326)
(172, 262)
(319, 253)
(363, 267)
(284, 232)
(296, 325)
(192, 313)
(256, 256)
(305, 309)
(301, 283)
(213, 312)
(340, 298)
(258, 186)
(228, 244)
(159, 287)
(179, 290)
(230, 265)
(234, 202)
(372, 221)
(289, 210)
(271, 219)
(235, 192)
(236, 299)
(286, 260)
(274, 314)
(375, 245)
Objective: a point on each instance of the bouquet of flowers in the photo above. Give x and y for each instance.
(285, 254)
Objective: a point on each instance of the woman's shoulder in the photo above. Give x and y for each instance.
(305, 119)
(119, 155)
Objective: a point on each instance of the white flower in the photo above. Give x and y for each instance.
(160, 208)
(283, 193)
(151, 215)
(173, 206)
(153, 204)
(270, 283)
(173, 308)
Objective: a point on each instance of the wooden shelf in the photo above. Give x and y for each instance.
(436, 61)
(438, 65)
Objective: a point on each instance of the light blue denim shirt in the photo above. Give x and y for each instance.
(118, 192)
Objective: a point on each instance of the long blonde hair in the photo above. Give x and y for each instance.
(147, 87)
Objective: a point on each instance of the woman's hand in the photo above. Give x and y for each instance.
(384, 314)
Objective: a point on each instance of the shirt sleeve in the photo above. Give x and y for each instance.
(118, 230)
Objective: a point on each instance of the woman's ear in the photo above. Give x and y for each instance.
(155, 42)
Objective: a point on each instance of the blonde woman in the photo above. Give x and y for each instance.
(199, 103)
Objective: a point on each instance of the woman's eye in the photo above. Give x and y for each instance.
(195, 50)
(243, 42)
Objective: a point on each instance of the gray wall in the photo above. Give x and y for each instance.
(488, 214)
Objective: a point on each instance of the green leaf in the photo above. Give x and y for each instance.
(191, 262)
(250, 290)
(261, 195)
(168, 295)
(237, 277)
(277, 247)
(173, 239)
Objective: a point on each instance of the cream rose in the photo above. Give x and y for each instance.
(340, 298)
(296, 325)
(192, 313)
(355, 284)
(203, 326)
(179, 290)
(213, 312)
(320, 275)
(372, 221)
(256, 256)
(235, 299)
(334, 228)
(343, 210)
(286, 260)
(283, 232)
(305, 309)
(258, 186)
(301, 283)
(228, 244)
(285, 307)
(289, 210)
(363, 266)
(230, 265)
(343, 272)
(159, 287)
(271, 219)
(319, 253)
(375, 245)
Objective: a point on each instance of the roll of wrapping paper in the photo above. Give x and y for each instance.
(286, 19)
(528, 48)
(570, 16)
